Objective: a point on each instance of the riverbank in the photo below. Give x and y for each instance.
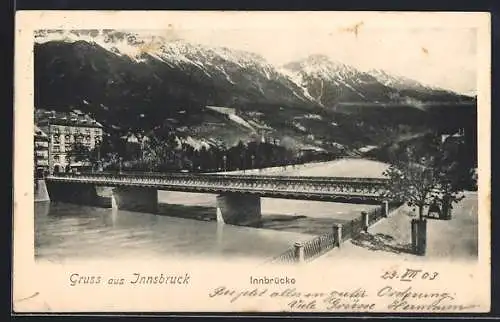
(447, 240)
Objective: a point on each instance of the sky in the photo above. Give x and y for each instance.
(443, 57)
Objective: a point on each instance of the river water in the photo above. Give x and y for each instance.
(184, 226)
(65, 231)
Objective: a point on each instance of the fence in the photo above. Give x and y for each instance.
(375, 215)
(317, 246)
(312, 248)
(288, 257)
(379, 212)
(353, 228)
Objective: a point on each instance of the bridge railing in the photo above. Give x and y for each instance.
(311, 187)
(351, 180)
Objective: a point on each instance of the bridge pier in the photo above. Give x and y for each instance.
(41, 192)
(139, 199)
(238, 209)
(73, 192)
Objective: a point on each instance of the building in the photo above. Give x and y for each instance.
(453, 134)
(41, 149)
(310, 151)
(64, 130)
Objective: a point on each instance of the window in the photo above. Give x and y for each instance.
(42, 162)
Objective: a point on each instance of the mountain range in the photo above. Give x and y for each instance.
(129, 81)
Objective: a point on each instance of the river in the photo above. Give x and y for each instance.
(185, 225)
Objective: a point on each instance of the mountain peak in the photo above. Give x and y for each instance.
(315, 60)
(318, 59)
(320, 64)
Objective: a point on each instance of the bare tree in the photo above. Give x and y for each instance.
(426, 173)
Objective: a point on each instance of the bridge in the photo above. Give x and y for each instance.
(238, 200)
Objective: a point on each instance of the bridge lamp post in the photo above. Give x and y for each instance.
(242, 161)
(224, 158)
(120, 165)
(253, 161)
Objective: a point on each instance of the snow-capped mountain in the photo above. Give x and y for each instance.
(331, 82)
(235, 71)
(403, 83)
(129, 80)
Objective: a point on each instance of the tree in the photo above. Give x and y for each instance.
(426, 172)
(156, 154)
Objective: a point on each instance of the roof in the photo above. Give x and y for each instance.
(71, 118)
(40, 133)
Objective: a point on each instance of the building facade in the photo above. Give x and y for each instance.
(65, 130)
(41, 149)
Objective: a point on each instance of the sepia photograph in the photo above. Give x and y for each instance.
(284, 142)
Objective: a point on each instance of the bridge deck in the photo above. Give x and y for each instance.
(352, 190)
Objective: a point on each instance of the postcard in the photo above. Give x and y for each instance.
(231, 161)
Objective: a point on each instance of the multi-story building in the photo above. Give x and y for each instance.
(41, 156)
(64, 130)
